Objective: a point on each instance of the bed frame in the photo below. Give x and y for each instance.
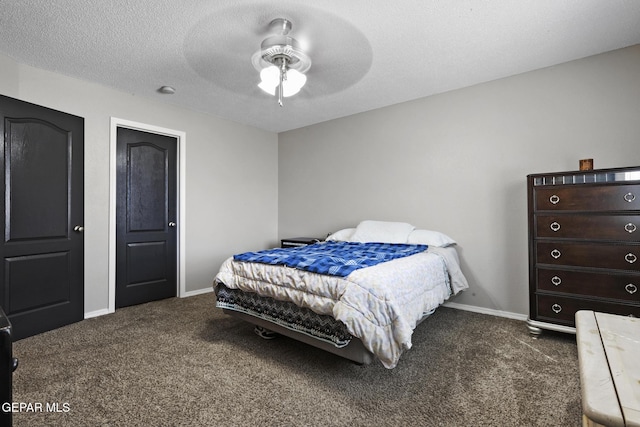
(354, 351)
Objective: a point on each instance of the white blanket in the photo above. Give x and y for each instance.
(380, 305)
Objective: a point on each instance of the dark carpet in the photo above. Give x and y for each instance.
(182, 362)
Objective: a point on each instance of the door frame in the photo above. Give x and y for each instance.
(180, 188)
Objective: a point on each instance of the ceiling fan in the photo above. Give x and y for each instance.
(230, 48)
(282, 62)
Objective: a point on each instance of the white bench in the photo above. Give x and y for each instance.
(609, 358)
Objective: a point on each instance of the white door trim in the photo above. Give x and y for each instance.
(182, 142)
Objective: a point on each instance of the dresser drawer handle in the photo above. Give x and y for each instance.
(556, 254)
(556, 308)
(555, 199)
(631, 288)
(630, 258)
(630, 228)
(554, 226)
(629, 197)
(555, 280)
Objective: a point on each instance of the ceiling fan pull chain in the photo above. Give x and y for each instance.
(283, 71)
(280, 91)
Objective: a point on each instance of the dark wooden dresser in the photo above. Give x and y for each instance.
(584, 246)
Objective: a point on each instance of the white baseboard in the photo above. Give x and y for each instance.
(489, 311)
(104, 311)
(197, 292)
(96, 313)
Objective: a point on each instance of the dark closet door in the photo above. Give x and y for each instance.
(42, 250)
(146, 244)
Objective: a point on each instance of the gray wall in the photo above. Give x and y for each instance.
(226, 212)
(457, 162)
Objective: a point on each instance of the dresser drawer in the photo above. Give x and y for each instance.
(562, 310)
(589, 198)
(589, 227)
(614, 286)
(617, 257)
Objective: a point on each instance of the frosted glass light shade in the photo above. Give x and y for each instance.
(270, 79)
(293, 84)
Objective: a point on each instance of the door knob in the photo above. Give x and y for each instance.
(172, 224)
(78, 229)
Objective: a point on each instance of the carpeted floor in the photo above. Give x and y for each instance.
(182, 362)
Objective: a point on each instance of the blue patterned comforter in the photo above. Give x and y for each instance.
(332, 258)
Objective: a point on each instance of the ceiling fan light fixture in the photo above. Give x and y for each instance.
(291, 84)
(281, 62)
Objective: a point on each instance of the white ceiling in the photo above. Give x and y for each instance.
(366, 54)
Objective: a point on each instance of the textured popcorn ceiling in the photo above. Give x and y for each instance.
(366, 54)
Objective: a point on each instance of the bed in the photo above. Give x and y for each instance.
(359, 294)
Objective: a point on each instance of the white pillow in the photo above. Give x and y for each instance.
(341, 235)
(382, 231)
(431, 238)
